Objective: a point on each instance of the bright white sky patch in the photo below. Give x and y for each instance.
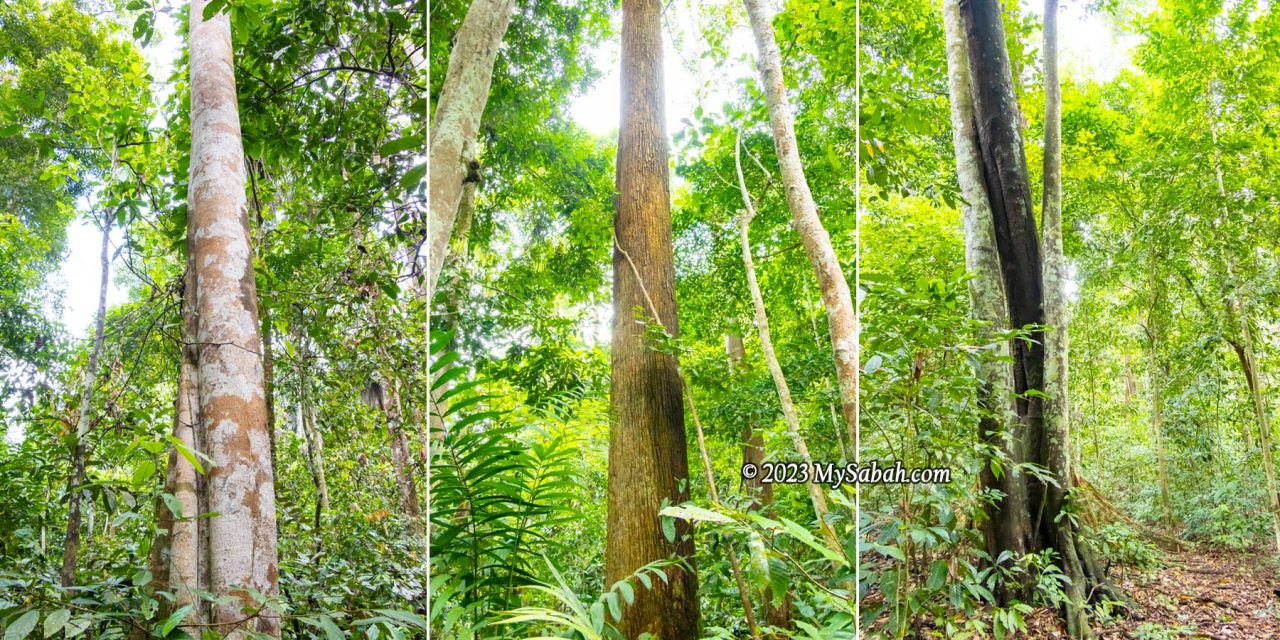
(81, 273)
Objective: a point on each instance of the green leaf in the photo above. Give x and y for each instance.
(143, 472)
(400, 144)
(411, 619)
(213, 8)
(173, 620)
(23, 626)
(56, 621)
(413, 177)
(186, 453)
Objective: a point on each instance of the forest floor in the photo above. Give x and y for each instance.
(1200, 594)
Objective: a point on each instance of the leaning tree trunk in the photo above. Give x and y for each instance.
(1244, 351)
(816, 495)
(1056, 442)
(458, 112)
(842, 322)
(648, 458)
(233, 410)
(71, 546)
(1007, 526)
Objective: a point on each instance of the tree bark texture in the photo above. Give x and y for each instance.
(648, 457)
(842, 322)
(1007, 524)
(233, 408)
(457, 119)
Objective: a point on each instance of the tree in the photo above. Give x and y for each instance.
(841, 320)
(232, 405)
(648, 460)
(457, 118)
(1006, 183)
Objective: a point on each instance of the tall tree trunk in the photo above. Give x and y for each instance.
(842, 322)
(457, 118)
(176, 553)
(75, 483)
(1007, 525)
(314, 439)
(400, 460)
(1157, 424)
(1008, 196)
(233, 411)
(1244, 351)
(1253, 377)
(816, 495)
(648, 458)
(1056, 442)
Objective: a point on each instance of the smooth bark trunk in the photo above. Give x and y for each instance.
(457, 119)
(842, 322)
(648, 458)
(71, 544)
(1057, 406)
(233, 407)
(816, 496)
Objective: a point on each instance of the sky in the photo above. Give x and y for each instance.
(1089, 47)
(80, 273)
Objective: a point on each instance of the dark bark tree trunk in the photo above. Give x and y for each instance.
(1007, 523)
(1008, 195)
(648, 457)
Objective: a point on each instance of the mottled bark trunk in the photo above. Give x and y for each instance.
(176, 553)
(842, 322)
(233, 411)
(1057, 407)
(648, 458)
(457, 118)
(816, 496)
(400, 458)
(1007, 524)
(760, 493)
(75, 482)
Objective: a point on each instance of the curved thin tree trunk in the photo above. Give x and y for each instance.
(71, 545)
(233, 408)
(816, 495)
(457, 119)
(648, 456)
(842, 322)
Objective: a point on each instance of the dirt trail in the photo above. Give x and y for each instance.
(1200, 594)
(1203, 594)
